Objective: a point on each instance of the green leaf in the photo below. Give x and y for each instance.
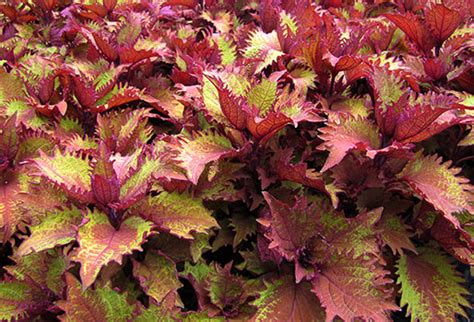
(17, 298)
(58, 228)
(157, 276)
(431, 286)
(10, 87)
(284, 300)
(180, 214)
(262, 95)
(387, 87)
(66, 170)
(347, 134)
(288, 24)
(196, 152)
(10, 211)
(439, 184)
(244, 226)
(100, 243)
(102, 304)
(45, 268)
(227, 50)
(137, 184)
(265, 47)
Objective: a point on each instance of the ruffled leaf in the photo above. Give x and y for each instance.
(157, 276)
(58, 228)
(263, 95)
(196, 152)
(353, 288)
(100, 243)
(10, 211)
(230, 105)
(350, 133)
(284, 300)
(430, 286)
(394, 233)
(442, 21)
(180, 214)
(291, 226)
(264, 47)
(44, 268)
(90, 305)
(66, 170)
(17, 299)
(438, 184)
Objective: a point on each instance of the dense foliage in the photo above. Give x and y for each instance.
(272, 160)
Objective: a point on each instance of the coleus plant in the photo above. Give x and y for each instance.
(270, 160)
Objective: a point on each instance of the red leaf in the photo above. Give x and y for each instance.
(84, 94)
(414, 29)
(291, 226)
(353, 288)
(457, 241)
(230, 105)
(110, 4)
(346, 63)
(185, 3)
(442, 22)
(132, 56)
(298, 172)
(264, 129)
(9, 210)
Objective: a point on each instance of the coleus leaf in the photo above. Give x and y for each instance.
(353, 288)
(212, 103)
(244, 226)
(298, 172)
(220, 182)
(262, 95)
(354, 236)
(438, 184)
(32, 142)
(264, 47)
(156, 313)
(179, 214)
(284, 300)
(291, 226)
(459, 242)
(8, 142)
(43, 271)
(394, 233)
(230, 105)
(68, 171)
(90, 305)
(264, 128)
(414, 29)
(430, 286)
(100, 243)
(202, 148)
(229, 292)
(347, 134)
(157, 275)
(17, 299)
(58, 228)
(442, 21)
(10, 211)
(415, 121)
(11, 87)
(125, 129)
(137, 182)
